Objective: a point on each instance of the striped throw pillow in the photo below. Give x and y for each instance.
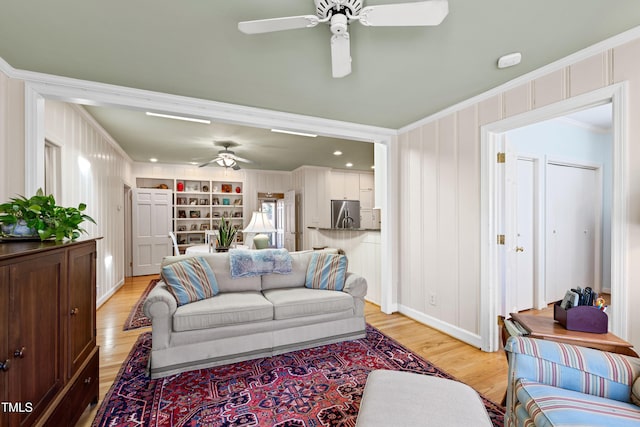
(326, 271)
(190, 280)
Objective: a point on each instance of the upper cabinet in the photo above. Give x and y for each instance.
(344, 185)
(367, 192)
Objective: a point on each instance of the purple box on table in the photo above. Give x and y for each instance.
(582, 318)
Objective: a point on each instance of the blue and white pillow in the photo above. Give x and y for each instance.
(190, 280)
(326, 271)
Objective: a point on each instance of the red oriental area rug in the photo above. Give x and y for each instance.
(316, 387)
(136, 318)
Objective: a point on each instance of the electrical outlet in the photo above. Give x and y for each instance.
(432, 298)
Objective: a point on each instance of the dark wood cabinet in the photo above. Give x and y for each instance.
(49, 370)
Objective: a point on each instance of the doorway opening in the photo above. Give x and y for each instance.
(494, 212)
(273, 205)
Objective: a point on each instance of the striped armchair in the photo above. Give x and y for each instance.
(553, 384)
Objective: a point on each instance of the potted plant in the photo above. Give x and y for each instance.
(40, 217)
(226, 235)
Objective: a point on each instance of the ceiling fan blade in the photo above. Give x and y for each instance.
(278, 24)
(209, 162)
(240, 159)
(340, 55)
(420, 13)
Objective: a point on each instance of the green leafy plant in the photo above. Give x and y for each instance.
(41, 214)
(226, 233)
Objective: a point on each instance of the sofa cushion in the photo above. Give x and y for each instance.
(298, 302)
(554, 406)
(190, 280)
(219, 263)
(295, 279)
(224, 310)
(326, 271)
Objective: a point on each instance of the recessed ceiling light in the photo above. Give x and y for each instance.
(337, 153)
(293, 132)
(373, 166)
(153, 160)
(349, 165)
(187, 119)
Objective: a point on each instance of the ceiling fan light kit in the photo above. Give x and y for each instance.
(226, 158)
(339, 14)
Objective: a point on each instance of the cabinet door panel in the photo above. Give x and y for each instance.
(4, 340)
(34, 339)
(81, 313)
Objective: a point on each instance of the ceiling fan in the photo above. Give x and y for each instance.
(226, 158)
(340, 13)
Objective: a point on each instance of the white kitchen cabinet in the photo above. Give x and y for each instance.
(345, 185)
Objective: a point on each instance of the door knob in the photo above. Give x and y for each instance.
(19, 352)
(4, 366)
(519, 249)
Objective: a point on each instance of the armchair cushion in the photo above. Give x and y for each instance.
(552, 406)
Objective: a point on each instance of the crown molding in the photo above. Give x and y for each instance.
(574, 58)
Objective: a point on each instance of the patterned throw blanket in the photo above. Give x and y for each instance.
(247, 263)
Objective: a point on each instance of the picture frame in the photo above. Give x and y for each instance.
(205, 188)
(194, 214)
(193, 201)
(182, 228)
(195, 238)
(194, 227)
(182, 213)
(204, 226)
(181, 201)
(204, 201)
(215, 201)
(237, 202)
(237, 214)
(226, 188)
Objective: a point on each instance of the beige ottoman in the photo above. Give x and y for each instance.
(402, 399)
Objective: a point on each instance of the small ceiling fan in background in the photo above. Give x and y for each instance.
(226, 158)
(340, 13)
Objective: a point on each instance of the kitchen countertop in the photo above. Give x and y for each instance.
(343, 229)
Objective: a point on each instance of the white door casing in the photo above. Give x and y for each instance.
(290, 220)
(151, 224)
(492, 206)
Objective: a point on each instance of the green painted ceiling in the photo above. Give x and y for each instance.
(400, 75)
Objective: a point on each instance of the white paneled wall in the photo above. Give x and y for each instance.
(94, 171)
(440, 190)
(11, 137)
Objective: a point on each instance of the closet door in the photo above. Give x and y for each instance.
(152, 214)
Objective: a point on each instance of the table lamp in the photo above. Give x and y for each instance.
(260, 224)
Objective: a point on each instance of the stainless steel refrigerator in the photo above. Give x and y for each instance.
(345, 214)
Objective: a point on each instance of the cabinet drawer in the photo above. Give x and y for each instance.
(83, 391)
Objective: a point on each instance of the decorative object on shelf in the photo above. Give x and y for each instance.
(192, 186)
(180, 186)
(226, 188)
(260, 224)
(215, 201)
(205, 188)
(204, 226)
(195, 238)
(162, 187)
(215, 189)
(182, 228)
(181, 201)
(182, 214)
(39, 217)
(226, 235)
(225, 201)
(238, 190)
(237, 202)
(194, 227)
(204, 201)
(194, 214)
(237, 214)
(193, 201)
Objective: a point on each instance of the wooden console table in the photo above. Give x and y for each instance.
(544, 327)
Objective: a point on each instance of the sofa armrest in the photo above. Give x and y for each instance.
(572, 367)
(160, 306)
(355, 285)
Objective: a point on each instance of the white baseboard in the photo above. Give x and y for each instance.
(109, 294)
(449, 329)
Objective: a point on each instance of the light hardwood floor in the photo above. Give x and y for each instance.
(485, 372)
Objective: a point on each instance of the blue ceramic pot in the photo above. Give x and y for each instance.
(19, 229)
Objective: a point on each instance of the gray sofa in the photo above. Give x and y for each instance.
(250, 317)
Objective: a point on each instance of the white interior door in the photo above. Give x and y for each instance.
(525, 229)
(573, 205)
(150, 229)
(290, 220)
